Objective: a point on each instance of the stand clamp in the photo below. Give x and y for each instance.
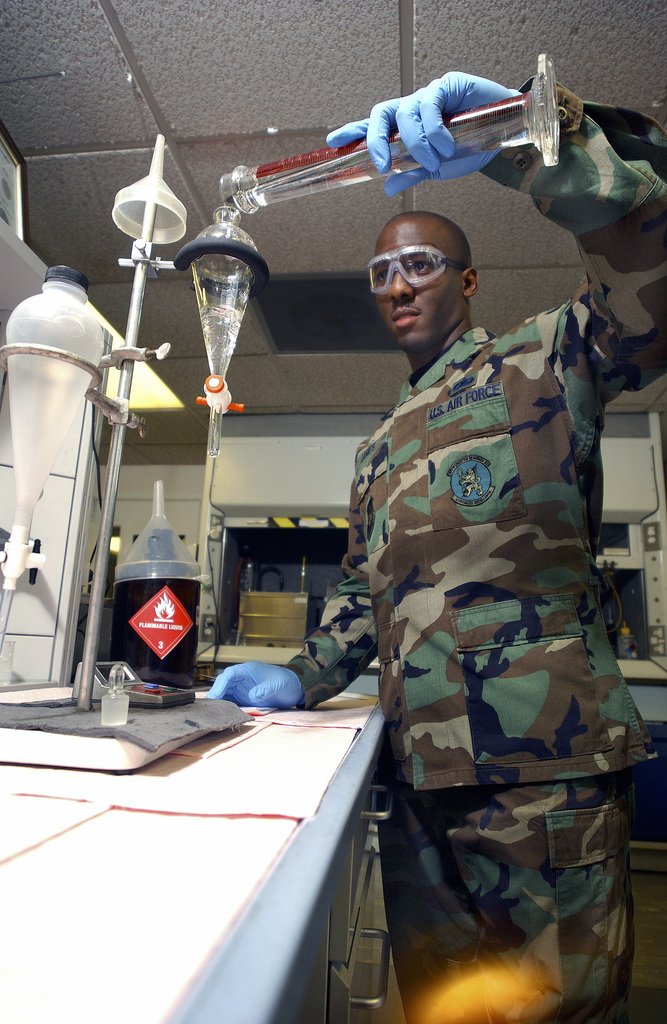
(142, 253)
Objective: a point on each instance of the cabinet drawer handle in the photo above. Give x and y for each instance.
(378, 1000)
(380, 815)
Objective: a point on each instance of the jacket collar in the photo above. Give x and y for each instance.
(458, 354)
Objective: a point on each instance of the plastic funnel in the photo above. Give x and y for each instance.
(129, 206)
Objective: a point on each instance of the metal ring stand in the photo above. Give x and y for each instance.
(52, 353)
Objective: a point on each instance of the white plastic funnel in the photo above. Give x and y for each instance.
(130, 204)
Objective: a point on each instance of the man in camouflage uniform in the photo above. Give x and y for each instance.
(471, 575)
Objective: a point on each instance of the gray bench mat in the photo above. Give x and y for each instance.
(148, 729)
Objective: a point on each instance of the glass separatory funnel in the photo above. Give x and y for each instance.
(227, 270)
(530, 117)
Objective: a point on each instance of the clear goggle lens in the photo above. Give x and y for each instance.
(417, 265)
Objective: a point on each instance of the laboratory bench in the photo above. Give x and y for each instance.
(223, 882)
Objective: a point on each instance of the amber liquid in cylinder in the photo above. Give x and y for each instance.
(177, 667)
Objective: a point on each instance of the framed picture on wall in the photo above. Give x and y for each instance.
(13, 186)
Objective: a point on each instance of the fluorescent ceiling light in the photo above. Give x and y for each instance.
(148, 391)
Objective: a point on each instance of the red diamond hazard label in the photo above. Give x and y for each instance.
(162, 622)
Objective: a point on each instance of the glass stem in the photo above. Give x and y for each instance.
(214, 433)
(5, 606)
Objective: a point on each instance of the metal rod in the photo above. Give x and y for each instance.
(97, 592)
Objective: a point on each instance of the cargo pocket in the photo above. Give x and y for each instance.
(529, 687)
(588, 850)
(473, 473)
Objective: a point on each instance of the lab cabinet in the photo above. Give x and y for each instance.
(338, 982)
(273, 501)
(293, 559)
(348, 980)
(282, 476)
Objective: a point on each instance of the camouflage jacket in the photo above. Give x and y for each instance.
(476, 504)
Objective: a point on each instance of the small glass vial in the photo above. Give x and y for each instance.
(115, 703)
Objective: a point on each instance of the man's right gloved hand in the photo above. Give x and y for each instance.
(256, 685)
(419, 119)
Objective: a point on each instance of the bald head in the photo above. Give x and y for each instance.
(450, 238)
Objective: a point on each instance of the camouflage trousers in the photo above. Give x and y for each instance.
(511, 903)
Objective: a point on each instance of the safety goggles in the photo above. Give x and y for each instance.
(417, 264)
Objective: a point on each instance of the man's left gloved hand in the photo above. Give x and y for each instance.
(419, 119)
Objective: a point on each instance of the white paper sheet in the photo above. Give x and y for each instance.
(326, 717)
(123, 943)
(36, 695)
(278, 771)
(28, 821)
(215, 742)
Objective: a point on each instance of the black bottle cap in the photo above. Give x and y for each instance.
(67, 274)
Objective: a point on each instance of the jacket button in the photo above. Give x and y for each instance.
(522, 161)
(564, 119)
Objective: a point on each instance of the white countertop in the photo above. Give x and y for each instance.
(117, 890)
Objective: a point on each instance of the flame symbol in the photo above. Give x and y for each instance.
(164, 609)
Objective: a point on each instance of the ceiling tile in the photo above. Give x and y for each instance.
(503, 227)
(259, 383)
(367, 382)
(650, 399)
(64, 79)
(138, 453)
(502, 42)
(228, 68)
(507, 297)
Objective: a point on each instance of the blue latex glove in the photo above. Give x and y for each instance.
(418, 118)
(256, 685)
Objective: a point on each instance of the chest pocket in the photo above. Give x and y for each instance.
(372, 496)
(473, 473)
